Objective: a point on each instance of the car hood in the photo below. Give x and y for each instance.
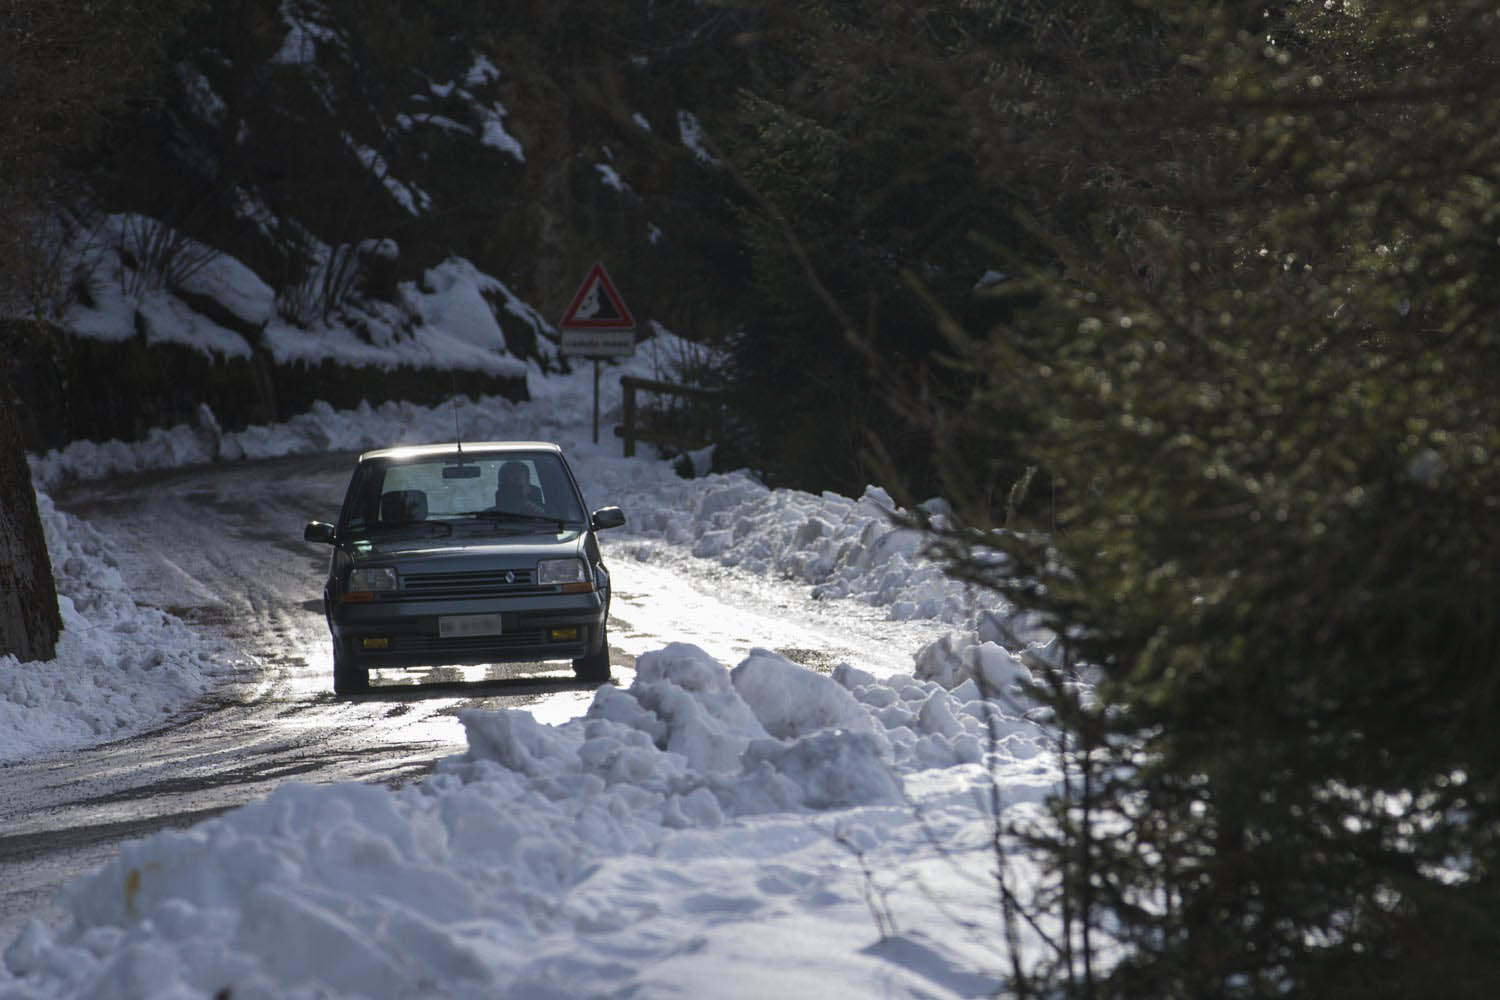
(422, 555)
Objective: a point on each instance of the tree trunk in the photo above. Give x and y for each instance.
(29, 622)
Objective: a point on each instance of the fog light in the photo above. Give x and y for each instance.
(565, 635)
(375, 643)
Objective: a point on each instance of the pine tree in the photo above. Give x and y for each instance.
(1261, 373)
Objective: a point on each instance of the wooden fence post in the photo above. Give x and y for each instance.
(628, 417)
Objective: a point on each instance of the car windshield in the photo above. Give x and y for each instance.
(512, 488)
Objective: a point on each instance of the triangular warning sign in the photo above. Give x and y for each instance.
(597, 306)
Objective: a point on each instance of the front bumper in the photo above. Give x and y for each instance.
(404, 633)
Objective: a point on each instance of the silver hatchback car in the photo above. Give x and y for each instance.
(458, 554)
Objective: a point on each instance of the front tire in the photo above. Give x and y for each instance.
(348, 676)
(595, 666)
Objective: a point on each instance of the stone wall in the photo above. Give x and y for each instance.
(67, 388)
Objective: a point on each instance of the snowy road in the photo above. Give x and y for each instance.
(220, 547)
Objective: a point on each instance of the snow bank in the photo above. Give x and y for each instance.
(844, 548)
(119, 668)
(571, 860)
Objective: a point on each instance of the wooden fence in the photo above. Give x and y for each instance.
(703, 432)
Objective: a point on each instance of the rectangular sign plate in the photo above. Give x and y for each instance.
(462, 626)
(599, 343)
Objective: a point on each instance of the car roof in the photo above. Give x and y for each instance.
(471, 449)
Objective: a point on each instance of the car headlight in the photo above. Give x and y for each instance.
(572, 574)
(378, 578)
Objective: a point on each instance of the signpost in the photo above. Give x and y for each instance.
(598, 325)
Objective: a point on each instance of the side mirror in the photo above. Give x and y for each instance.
(607, 517)
(318, 531)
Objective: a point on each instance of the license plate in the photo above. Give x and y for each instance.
(460, 626)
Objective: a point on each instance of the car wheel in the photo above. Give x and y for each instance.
(348, 676)
(594, 666)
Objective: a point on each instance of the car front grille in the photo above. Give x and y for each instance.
(493, 583)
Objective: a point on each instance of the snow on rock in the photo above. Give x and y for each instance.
(129, 276)
(451, 299)
(117, 315)
(455, 326)
(234, 286)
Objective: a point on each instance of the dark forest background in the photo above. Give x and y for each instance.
(1185, 309)
(830, 189)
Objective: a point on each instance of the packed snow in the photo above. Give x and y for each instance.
(708, 828)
